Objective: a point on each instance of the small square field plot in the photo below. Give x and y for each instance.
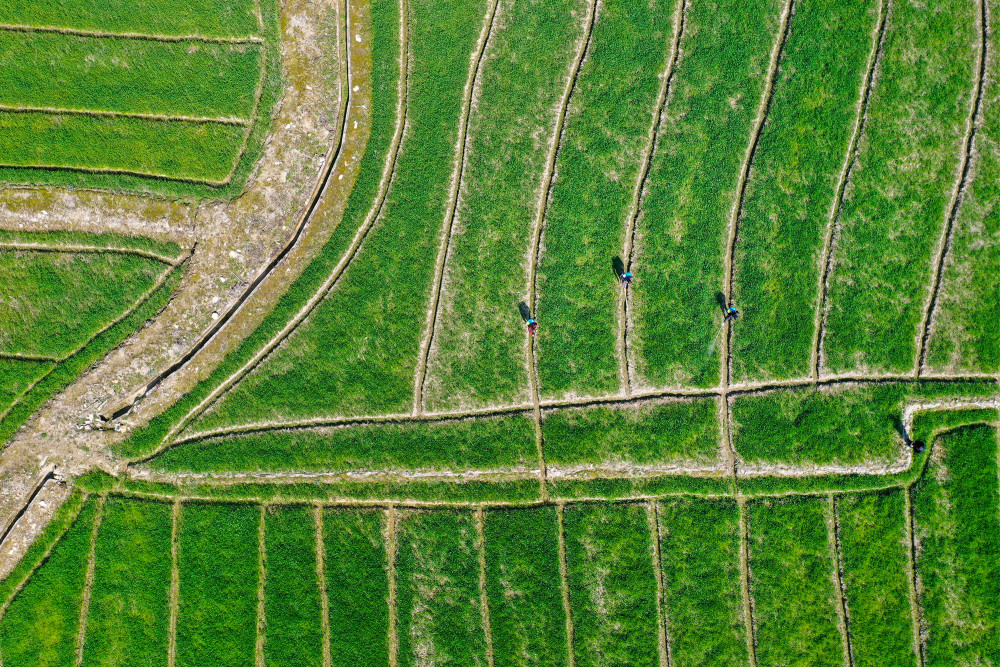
(163, 97)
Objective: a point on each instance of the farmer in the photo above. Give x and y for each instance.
(918, 446)
(731, 314)
(532, 325)
(626, 279)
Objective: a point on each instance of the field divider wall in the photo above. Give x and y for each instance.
(564, 582)
(662, 621)
(484, 602)
(324, 596)
(250, 39)
(833, 537)
(261, 584)
(100, 113)
(255, 112)
(745, 589)
(113, 171)
(42, 247)
(391, 547)
(911, 578)
(175, 582)
(88, 585)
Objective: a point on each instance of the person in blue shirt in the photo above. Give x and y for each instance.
(731, 314)
(532, 325)
(626, 279)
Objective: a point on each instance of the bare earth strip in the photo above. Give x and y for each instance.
(750, 632)
(390, 552)
(43, 247)
(484, 602)
(662, 624)
(99, 113)
(88, 586)
(564, 584)
(261, 581)
(175, 582)
(134, 35)
(324, 597)
(911, 558)
(833, 536)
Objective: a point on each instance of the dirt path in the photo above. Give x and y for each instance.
(391, 546)
(484, 600)
(662, 624)
(912, 580)
(836, 562)
(88, 585)
(564, 583)
(261, 586)
(175, 582)
(324, 596)
(250, 39)
(745, 588)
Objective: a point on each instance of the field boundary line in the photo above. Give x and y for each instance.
(833, 538)
(635, 209)
(391, 547)
(662, 621)
(258, 15)
(71, 249)
(545, 192)
(458, 172)
(258, 94)
(261, 584)
(911, 566)
(104, 113)
(850, 161)
(744, 528)
(113, 171)
(17, 356)
(324, 596)
(152, 37)
(88, 582)
(564, 582)
(484, 600)
(958, 194)
(175, 582)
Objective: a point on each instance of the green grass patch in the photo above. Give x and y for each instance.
(795, 172)
(928, 424)
(437, 570)
(108, 240)
(895, 205)
(699, 551)
(129, 604)
(16, 378)
(479, 348)
(955, 510)
(40, 626)
(692, 181)
(523, 586)
(233, 18)
(612, 585)
(873, 553)
(357, 586)
(606, 133)
(795, 603)
(128, 75)
(683, 432)
(217, 620)
(294, 635)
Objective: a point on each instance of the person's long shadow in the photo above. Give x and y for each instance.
(524, 310)
(720, 298)
(618, 266)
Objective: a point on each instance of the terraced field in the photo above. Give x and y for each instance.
(392, 469)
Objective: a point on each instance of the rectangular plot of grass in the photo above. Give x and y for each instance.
(612, 585)
(129, 604)
(795, 172)
(291, 590)
(523, 585)
(17, 376)
(437, 570)
(955, 510)
(873, 553)
(233, 18)
(97, 74)
(40, 626)
(357, 587)
(840, 424)
(681, 433)
(217, 619)
(692, 181)
(791, 570)
(699, 551)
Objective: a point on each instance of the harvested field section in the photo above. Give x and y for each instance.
(605, 133)
(357, 352)
(40, 626)
(683, 433)
(957, 536)
(682, 231)
(16, 378)
(895, 205)
(873, 551)
(129, 605)
(523, 587)
(794, 178)
(612, 585)
(470, 443)
(357, 586)
(292, 610)
(217, 620)
(477, 356)
(791, 578)
(699, 549)
(841, 424)
(438, 582)
(233, 18)
(52, 70)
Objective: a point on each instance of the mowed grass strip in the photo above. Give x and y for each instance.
(232, 18)
(606, 133)
(478, 355)
(895, 204)
(51, 303)
(51, 70)
(357, 587)
(437, 570)
(357, 352)
(129, 603)
(294, 634)
(873, 553)
(699, 549)
(791, 579)
(955, 510)
(217, 619)
(523, 587)
(40, 626)
(30, 142)
(470, 443)
(679, 433)
(793, 180)
(682, 232)
(843, 424)
(16, 378)
(612, 585)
